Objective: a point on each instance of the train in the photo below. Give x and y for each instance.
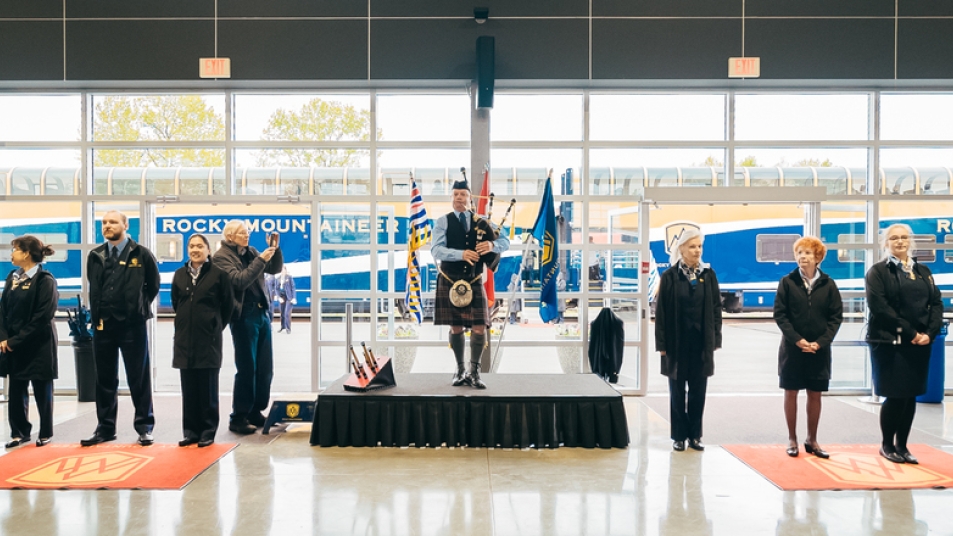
(749, 247)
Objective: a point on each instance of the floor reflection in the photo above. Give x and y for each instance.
(800, 514)
(685, 510)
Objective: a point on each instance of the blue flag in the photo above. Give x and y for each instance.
(544, 230)
(419, 235)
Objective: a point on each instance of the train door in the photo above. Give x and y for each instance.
(748, 242)
(174, 223)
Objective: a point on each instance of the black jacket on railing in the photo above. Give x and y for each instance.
(606, 345)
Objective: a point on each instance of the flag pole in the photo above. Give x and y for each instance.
(519, 277)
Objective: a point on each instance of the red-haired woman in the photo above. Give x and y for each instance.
(809, 311)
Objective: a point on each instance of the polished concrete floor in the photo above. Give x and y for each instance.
(288, 487)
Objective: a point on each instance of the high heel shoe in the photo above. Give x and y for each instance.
(792, 451)
(817, 451)
(892, 456)
(907, 457)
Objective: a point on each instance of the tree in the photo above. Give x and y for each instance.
(749, 161)
(157, 118)
(711, 161)
(813, 162)
(317, 120)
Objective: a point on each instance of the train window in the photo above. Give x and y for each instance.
(764, 176)
(899, 181)
(329, 181)
(833, 178)
(924, 255)
(599, 181)
(776, 247)
(160, 181)
(358, 181)
(169, 247)
(532, 181)
(695, 176)
(194, 181)
(798, 176)
(294, 181)
(59, 181)
(663, 176)
(850, 255)
(259, 181)
(948, 253)
(935, 181)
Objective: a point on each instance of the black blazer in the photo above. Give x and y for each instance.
(229, 261)
(667, 337)
(884, 300)
(27, 324)
(815, 317)
(201, 313)
(140, 280)
(606, 345)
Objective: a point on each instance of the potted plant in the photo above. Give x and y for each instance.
(404, 356)
(570, 357)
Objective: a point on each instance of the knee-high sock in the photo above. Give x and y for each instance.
(457, 340)
(477, 344)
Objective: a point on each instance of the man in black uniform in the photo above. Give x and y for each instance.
(123, 282)
(455, 245)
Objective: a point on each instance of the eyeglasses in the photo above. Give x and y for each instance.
(896, 238)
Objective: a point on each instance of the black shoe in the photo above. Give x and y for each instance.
(17, 441)
(892, 456)
(188, 441)
(907, 457)
(460, 378)
(256, 419)
(242, 428)
(679, 446)
(792, 451)
(43, 441)
(206, 443)
(473, 378)
(696, 444)
(817, 451)
(145, 439)
(96, 439)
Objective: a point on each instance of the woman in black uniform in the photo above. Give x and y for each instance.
(906, 314)
(809, 311)
(28, 339)
(687, 333)
(203, 304)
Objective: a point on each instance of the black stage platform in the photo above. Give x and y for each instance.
(516, 411)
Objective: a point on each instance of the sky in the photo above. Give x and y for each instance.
(559, 118)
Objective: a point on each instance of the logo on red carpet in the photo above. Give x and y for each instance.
(90, 469)
(873, 470)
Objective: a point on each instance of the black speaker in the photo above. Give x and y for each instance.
(486, 68)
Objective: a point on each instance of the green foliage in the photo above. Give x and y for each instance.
(813, 162)
(161, 118)
(319, 121)
(711, 161)
(749, 161)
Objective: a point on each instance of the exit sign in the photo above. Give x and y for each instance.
(215, 68)
(744, 67)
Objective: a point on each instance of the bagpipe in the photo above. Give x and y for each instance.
(485, 230)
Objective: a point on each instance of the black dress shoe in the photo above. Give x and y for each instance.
(907, 457)
(43, 441)
(678, 446)
(206, 443)
(696, 444)
(892, 456)
(242, 428)
(256, 419)
(792, 451)
(817, 451)
(188, 441)
(17, 441)
(96, 439)
(145, 439)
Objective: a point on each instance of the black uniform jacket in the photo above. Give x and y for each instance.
(229, 261)
(667, 337)
(814, 317)
(606, 345)
(884, 301)
(26, 323)
(201, 313)
(140, 280)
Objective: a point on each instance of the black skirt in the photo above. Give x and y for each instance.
(801, 370)
(900, 371)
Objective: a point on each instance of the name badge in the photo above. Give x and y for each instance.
(99, 327)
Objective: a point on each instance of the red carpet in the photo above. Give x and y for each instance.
(849, 467)
(107, 466)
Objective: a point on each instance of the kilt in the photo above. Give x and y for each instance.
(445, 314)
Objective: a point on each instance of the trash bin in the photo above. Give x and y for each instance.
(937, 371)
(85, 370)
